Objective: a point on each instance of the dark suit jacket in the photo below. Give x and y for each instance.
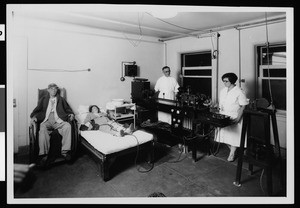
(62, 108)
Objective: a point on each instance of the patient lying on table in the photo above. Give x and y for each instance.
(97, 120)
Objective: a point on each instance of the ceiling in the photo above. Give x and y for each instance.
(140, 20)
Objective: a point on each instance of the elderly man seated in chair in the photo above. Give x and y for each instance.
(52, 112)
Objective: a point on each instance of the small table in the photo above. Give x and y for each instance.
(124, 113)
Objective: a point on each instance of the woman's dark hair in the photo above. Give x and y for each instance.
(90, 108)
(231, 77)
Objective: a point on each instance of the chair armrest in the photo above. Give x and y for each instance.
(33, 142)
(33, 129)
(75, 136)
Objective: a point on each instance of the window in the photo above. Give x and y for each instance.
(197, 72)
(271, 74)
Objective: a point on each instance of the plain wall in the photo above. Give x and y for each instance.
(62, 53)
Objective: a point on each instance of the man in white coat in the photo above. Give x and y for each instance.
(167, 88)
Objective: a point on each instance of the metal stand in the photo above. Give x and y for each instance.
(259, 151)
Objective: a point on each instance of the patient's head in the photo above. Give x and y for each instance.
(94, 109)
(52, 89)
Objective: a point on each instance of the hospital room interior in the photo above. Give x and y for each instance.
(113, 57)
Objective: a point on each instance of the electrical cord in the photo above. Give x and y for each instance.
(106, 125)
(214, 153)
(180, 153)
(137, 152)
(136, 43)
(110, 125)
(205, 135)
(268, 60)
(136, 157)
(172, 23)
(260, 181)
(184, 139)
(61, 70)
(166, 127)
(215, 52)
(178, 158)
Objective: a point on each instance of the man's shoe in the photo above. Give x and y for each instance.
(42, 162)
(67, 156)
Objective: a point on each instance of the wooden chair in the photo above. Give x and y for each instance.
(55, 138)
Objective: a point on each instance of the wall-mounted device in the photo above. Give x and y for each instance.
(129, 69)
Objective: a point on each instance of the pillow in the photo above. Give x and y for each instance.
(80, 117)
(102, 110)
(83, 109)
(110, 106)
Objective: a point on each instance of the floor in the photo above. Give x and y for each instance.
(173, 173)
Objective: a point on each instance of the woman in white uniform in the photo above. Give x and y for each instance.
(232, 102)
(167, 87)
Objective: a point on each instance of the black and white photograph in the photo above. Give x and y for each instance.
(149, 104)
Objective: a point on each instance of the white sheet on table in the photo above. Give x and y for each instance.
(107, 143)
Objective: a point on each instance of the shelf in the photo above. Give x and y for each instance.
(122, 116)
(121, 112)
(126, 105)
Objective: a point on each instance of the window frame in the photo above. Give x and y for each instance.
(208, 67)
(260, 67)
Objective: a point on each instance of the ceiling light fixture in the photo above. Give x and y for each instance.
(164, 14)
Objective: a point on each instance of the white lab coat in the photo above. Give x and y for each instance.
(167, 87)
(230, 103)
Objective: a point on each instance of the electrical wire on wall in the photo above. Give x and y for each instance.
(215, 55)
(137, 42)
(214, 51)
(60, 70)
(122, 69)
(178, 26)
(268, 63)
(165, 53)
(240, 68)
(270, 90)
(212, 45)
